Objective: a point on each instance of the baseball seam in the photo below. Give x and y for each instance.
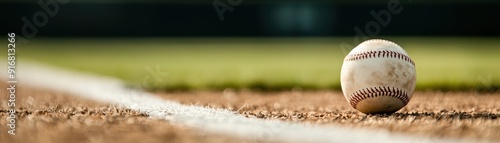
(379, 54)
(372, 92)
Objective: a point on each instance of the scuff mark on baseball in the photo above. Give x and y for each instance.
(378, 76)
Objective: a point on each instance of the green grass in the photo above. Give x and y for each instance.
(265, 64)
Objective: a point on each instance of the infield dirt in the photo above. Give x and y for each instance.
(47, 116)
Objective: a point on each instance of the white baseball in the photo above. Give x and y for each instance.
(378, 76)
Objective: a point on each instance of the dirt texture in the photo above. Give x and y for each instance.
(50, 117)
(462, 115)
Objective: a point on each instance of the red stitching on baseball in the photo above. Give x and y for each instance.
(372, 92)
(379, 54)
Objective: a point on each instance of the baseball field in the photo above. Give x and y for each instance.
(243, 90)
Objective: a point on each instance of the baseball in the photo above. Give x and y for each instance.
(378, 76)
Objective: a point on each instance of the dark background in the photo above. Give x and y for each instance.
(254, 18)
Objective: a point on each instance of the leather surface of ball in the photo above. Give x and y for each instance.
(378, 76)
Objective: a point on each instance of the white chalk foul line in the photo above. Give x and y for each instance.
(220, 121)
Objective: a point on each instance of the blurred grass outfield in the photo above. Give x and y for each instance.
(450, 63)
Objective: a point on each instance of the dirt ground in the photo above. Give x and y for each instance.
(50, 117)
(465, 115)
